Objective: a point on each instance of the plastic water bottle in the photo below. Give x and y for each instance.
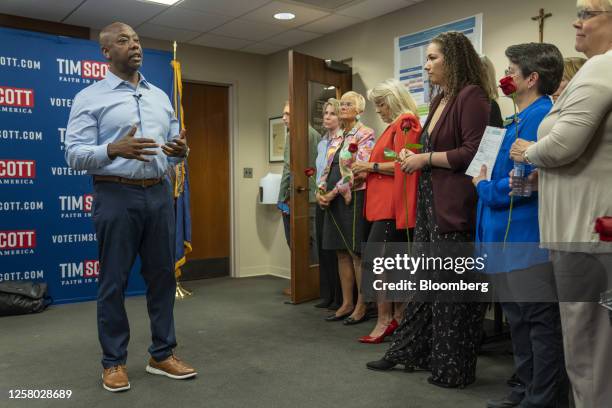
(521, 186)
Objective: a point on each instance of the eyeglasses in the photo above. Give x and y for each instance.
(585, 14)
(509, 72)
(346, 104)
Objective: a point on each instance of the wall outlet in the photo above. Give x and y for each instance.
(247, 172)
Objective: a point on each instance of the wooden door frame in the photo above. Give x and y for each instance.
(233, 146)
(302, 69)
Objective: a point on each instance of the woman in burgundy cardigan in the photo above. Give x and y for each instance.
(438, 336)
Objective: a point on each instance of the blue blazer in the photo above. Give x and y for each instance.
(493, 196)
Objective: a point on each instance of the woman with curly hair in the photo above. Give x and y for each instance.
(441, 336)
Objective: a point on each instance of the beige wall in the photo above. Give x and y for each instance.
(370, 47)
(254, 227)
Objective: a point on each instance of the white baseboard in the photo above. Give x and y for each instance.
(257, 270)
(262, 270)
(280, 272)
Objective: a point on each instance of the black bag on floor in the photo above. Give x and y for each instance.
(23, 297)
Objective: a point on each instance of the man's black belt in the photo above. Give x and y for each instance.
(133, 182)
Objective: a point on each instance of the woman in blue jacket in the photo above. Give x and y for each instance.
(536, 69)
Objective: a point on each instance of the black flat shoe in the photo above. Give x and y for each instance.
(334, 318)
(380, 365)
(323, 305)
(349, 321)
(386, 365)
(334, 307)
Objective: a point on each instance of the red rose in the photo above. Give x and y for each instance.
(353, 148)
(507, 85)
(406, 125)
(309, 171)
(603, 226)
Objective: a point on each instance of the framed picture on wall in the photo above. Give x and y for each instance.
(277, 134)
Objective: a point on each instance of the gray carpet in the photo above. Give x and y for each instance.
(250, 349)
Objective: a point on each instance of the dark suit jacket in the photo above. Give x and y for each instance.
(458, 132)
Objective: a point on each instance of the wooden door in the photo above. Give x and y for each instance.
(206, 110)
(304, 71)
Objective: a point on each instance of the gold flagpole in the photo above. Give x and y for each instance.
(181, 292)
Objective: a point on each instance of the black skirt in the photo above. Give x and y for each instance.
(344, 226)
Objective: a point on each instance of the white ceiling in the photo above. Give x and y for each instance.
(245, 25)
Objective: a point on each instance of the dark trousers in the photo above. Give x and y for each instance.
(312, 244)
(538, 353)
(130, 221)
(287, 226)
(329, 280)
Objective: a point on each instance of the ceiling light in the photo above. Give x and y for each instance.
(166, 2)
(284, 16)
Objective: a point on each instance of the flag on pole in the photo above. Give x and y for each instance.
(181, 181)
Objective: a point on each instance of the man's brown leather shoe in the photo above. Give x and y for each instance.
(115, 379)
(172, 367)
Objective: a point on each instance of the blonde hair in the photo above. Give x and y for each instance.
(395, 95)
(571, 65)
(334, 103)
(490, 80)
(359, 100)
(604, 4)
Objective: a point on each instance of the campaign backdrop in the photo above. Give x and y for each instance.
(46, 230)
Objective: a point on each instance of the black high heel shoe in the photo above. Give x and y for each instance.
(349, 321)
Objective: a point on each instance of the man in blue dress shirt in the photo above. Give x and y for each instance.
(124, 132)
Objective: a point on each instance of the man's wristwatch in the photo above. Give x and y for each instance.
(375, 167)
(186, 153)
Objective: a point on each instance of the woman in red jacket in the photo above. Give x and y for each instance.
(391, 194)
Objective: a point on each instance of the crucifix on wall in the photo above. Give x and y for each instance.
(540, 18)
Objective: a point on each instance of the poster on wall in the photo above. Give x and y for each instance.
(410, 56)
(46, 230)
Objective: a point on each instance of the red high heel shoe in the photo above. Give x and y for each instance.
(377, 340)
